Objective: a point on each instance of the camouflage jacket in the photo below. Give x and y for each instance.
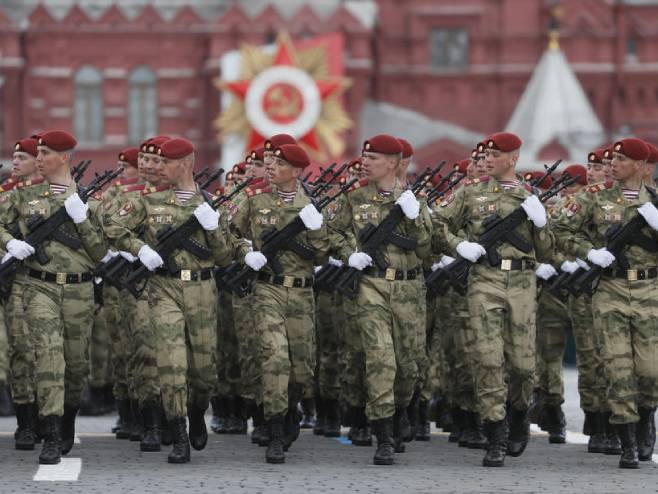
(460, 217)
(35, 198)
(365, 205)
(263, 210)
(156, 208)
(590, 213)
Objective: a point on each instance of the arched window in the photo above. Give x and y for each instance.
(88, 121)
(143, 104)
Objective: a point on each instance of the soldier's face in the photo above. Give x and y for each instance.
(268, 157)
(24, 164)
(481, 166)
(595, 173)
(624, 168)
(174, 171)
(257, 169)
(153, 168)
(50, 162)
(607, 168)
(471, 170)
(402, 168)
(129, 171)
(281, 172)
(498, 163)
(378, 166)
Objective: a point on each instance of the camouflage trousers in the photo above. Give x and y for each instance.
(353, 376)
(228, 362)
(22, 356)
(121, 347)
(553, 324)
(626, 314)
(144, 381)
(328, 373)
(284, 319)
(100, 349)
(388, 313)
(251, 382)
(183, 314)
(502, 309)
(60, 318)
(4, 346)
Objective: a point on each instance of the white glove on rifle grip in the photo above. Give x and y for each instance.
(311, 217)
(470, 250)
(149, 258)
(75, 208)
(601, 257)
(535, 211)
(359, 260)
(650, 214)
(409, 204)
(569, 266)
(19, 249)
(545, 271)
(255, 260)
(207, 217)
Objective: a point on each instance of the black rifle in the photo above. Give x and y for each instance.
(323, 174)
(536, 182)
(171, 240)
(211, 178)
(45, 229)
(324, 186)
(78, 171)
(436, 194)
(374, 239)
(200, 174)
(274, 241)
(497, 231)
(618, 238)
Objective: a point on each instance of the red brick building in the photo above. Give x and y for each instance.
(114, 72)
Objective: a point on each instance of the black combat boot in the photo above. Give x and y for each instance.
(385, 453)
(166, 434)
(137, 428)
(51, 452)
(596, 427)
(465, 430)
(219, 424)
(108, 398)
(645, 433)
(198, 431)
(93, 402)
(180, 453)
(612, 442)
(124, 424)
(519, 432)
(237, 423)
(151, 419)
(423, 425)
(321, 413)
(556, 425)
(6, 406)
(24, 436)
(362, 434)
(260, 433)
(292, 417)
(629, 457)
(476, 438)
(275, 449)
(456, 424)
(496, 443)
(68, 428)
(400, 428)
(412, 416)
(535, 409)
(308, 413)
(332, 418)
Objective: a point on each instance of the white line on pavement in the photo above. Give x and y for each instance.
(67, 470)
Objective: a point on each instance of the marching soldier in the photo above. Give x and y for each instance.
(501, 297)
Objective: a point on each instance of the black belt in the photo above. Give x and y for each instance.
(511, 264)
(60, 278)
(287, 281)
(392, 274)
(631, 274)
(186, 274)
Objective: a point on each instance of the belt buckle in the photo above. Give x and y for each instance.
(631, 274)
(60, 278)
(289, 281)
(185, 275)
(506, 265)
(390, 274)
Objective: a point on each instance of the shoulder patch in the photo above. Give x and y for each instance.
(125, 181)
(133, 188)
(571, 209)
(152, 189)
(600, 186)
(29, 183)
(251, 192)
(445, 200)
(358, 185)
(97, 196)
(126, 208)
(480, 180)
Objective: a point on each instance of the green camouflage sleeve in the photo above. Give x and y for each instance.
(222, 243)
(571, 226)
(422, 231)
(342, 236)
(122, 226)
(451, 222)
(9, 202)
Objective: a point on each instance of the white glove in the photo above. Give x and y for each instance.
(545, 271)
(569, 266)
(6, 257)
(470, 250)
(127, 256)
(335, 262)
(359, 260)
(535, 211)
(316, 269)
(150, 258)
(311, 217)
(601, 257)
(582, 264)
(650, 214)
(255, 260)
(409, 204)
(437, 265)
(75, 208)
(110, 255)
(207, 217)
(445, 260)
(19, 249)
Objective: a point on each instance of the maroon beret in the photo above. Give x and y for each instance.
(595, 156)
(577, 170)
(504, 141)
(355, 164)
(481, 146)
(279, 140)
(176, 148)
(607, 153)
(257, 154)
(633, 148)
(653, 153)
(28, 145)
(152, 145)
(474, 154)
(129, 155)
(461, 166)
(239, 168)
(383, 144)
(293, 154)
(57, 140)
(407, 148)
